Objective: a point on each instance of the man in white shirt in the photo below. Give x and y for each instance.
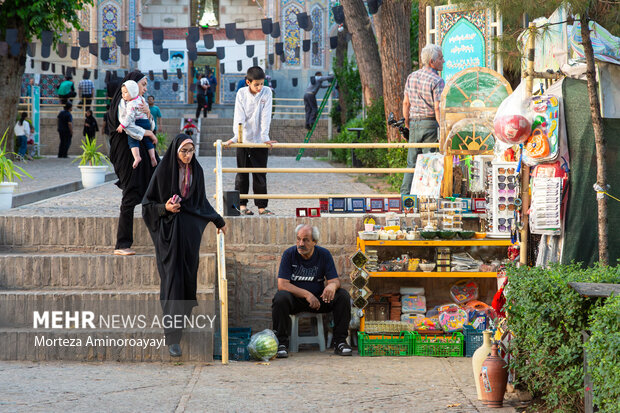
(253, 107)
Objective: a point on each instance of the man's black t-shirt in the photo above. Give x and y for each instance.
(64, 117)
(308, 274)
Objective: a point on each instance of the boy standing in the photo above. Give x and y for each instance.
(253, 111)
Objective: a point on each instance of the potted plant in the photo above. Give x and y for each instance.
(8, 173)
(93, 164)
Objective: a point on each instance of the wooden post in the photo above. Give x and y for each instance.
(525, 170)
(221, 256)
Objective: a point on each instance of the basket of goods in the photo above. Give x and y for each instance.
(438, 345)
(398, 344)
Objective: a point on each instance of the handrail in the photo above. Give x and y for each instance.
(317, 170)
(378, 145)
(219, 170)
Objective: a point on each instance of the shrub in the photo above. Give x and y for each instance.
(603, 349)
(546, 317)
(350, 85)
(374, 131)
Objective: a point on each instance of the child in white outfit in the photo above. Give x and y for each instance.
(133, 120)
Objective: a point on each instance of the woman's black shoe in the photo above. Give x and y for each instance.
(175, 350)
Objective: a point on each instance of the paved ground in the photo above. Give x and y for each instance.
(105, 200)
(48, 172)
(307, 381)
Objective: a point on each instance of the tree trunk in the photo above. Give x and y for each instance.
(421, 29)
(599, 140)
(11, 72)
(341, 53)
(395, 57)
(366, 50)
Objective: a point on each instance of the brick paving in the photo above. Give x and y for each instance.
(105, 200)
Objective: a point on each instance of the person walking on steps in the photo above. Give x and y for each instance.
(310, 97)
(201, 95)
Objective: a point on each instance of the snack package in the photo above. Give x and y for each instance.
(427, 324)
(411, 318)
(452, 320)
(413, 304)
(464, 291)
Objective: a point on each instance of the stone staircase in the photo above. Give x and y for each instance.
(65, 264)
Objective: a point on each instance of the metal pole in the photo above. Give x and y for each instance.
(319, 170)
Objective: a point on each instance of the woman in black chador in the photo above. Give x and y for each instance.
(132, 181)
(176, 212)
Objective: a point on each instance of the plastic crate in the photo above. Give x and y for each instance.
(431, 345)
(238, 340)
(473, 340)
(370, 345)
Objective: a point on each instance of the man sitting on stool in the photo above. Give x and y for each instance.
(301, 288)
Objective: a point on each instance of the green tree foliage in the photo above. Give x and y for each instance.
(604, 12)
(546, 317)
(604, 355)
(33, 17)
(413, 33)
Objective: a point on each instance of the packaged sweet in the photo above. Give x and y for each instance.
(413, 304)
(452, 320)
(464, 291)
(447, 307)
(427, 324)
(411, 290)
(411, 318)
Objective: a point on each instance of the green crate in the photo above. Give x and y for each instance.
(370, 345)
(430, 346)
(238, 340)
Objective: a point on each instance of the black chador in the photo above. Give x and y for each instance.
(177, 236)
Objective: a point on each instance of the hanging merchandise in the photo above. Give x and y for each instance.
(503, 199)
(543, 145)
(428, 175)
(545, 207)
(512, 121)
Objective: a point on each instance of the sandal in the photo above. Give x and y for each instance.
(266, 212)
(246, 212)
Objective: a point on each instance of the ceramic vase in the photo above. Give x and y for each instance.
(493, 379)
(479, 356)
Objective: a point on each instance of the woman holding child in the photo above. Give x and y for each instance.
(133, 177)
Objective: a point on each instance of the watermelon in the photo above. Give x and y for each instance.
(263, 346)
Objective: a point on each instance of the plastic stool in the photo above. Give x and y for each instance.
(296, 339)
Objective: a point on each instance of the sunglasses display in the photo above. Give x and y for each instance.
(503, 199)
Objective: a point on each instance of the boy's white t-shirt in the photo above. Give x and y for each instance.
(254, 113)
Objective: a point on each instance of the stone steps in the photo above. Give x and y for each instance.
(22, 344)
(17, 306)
(20, 270)
(19, 334)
